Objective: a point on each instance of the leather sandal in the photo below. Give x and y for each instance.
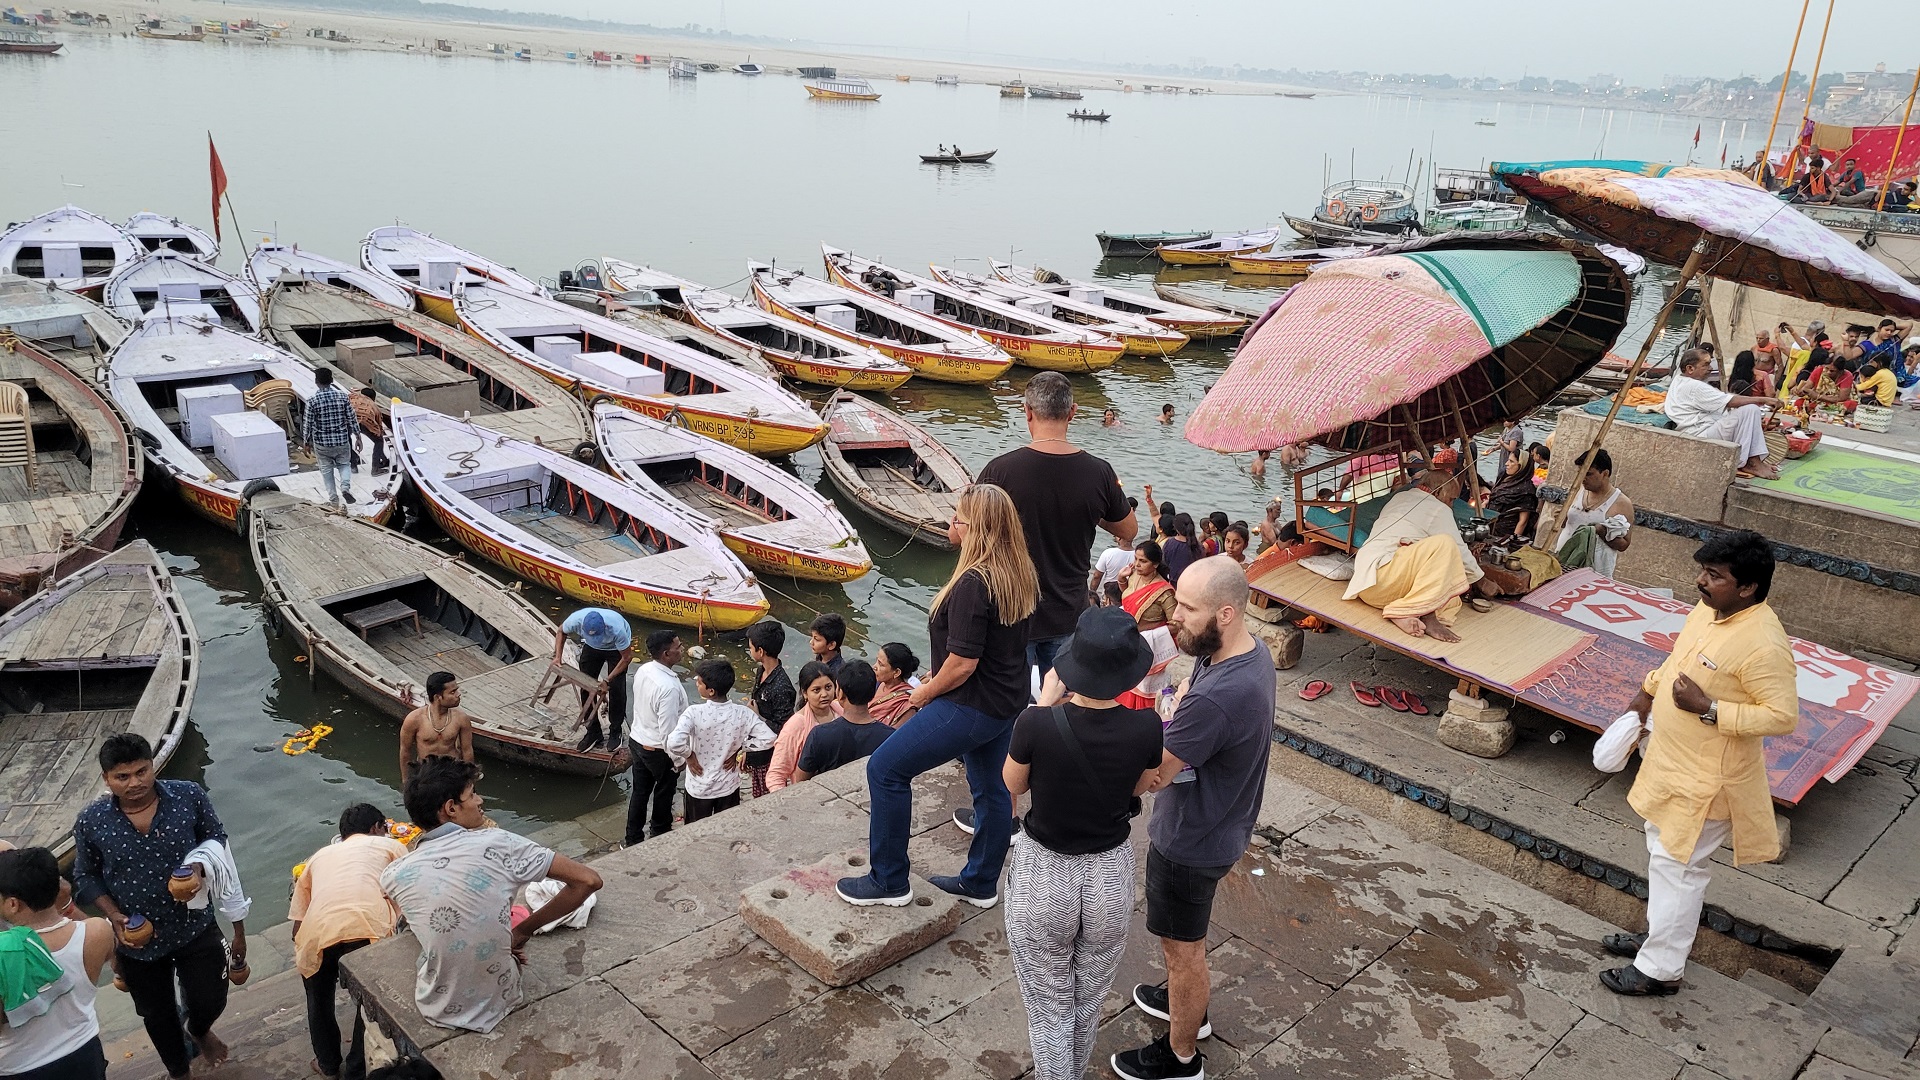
(1632, 982)
(1624, 945)
(1364, 696)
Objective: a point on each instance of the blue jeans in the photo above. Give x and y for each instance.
(336, 469)
(929, 739)
(1041, 651)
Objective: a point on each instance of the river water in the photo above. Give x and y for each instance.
(542, 165)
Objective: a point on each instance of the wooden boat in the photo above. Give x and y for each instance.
(14, 40)
(161, 281)
(1247, 310)
(1331, 234)
(157, 232)
(378, 612)
(655, 322)
(154, 31)
(980, 158)
(1117, 245)
(73, 472)
(66, 326)
(495, 391)
(798, 352)
(596, 357)
(1032, 339)
(892, 470)
(682, 69)
(1290, 262)
(775, 523)
(849, 88)
(1195, 322)
(69, 247)
(933, 349)
(430, 268)
(946, 80)
(1140, 336)
(272, 261)
(1016, 88)
(571, 528)
(1472, 185)
(818, 72)
(1295, 94)
(1216, 250)
(108, 650)
(1082, 114)
(1475, 217)
(1486, 123)
(166, 356)
(1057, 93)
(1369, 212)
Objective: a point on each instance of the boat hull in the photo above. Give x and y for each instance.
(752, 435)
(36, 48)
(835, 95)
(1175, 257)
(1144, 244)
(787, 562)
(834, 375)
(926, 364)
(627, 599)
(437, 307)
(1269, 267)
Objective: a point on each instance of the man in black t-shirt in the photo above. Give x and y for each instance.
(850, 736)
(1062, 494)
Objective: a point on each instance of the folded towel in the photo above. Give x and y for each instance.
(27, 970)
(542, 892)
(220, 880)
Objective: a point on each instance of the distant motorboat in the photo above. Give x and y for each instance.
(27, 41)
(1487, 123)
(980, 158)
(851, 88)
(1016, 88)
(682, 69)
(1295, 94)
(946, 80)
(749, 68)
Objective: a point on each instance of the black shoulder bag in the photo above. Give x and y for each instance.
(1080, 756)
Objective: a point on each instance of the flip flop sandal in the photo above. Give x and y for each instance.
(1365, 696)
(1391, 698)
(1316, 690)
(1415, 705)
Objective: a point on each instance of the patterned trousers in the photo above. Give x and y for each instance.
(1067, 919)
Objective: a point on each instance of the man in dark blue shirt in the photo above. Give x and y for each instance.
(127, 844)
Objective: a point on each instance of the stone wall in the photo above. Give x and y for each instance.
(1660, 470)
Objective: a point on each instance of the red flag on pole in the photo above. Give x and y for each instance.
(218, 173)
(1723, 157)
(1696, 135)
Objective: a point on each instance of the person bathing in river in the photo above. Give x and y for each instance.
(1415, 567)
(440, 726)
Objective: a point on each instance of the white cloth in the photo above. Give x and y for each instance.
(1614, 748)
(542, 892)
(219, 881)
(1331, 567)
(1158, 677)
(656, 700)
(1743, 427)
(62, 1018)
(1410, 516)
(1675, 893)
(715, 731)
(1112, 563)
(1578, 516)
(1695, 406)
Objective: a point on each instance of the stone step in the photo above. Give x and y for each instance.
(265, 1027)
(1874, 996)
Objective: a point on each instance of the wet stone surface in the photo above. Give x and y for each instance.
(799, 913)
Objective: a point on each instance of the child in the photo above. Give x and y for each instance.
(1110, 595)
(772, 693)
(1215, 526)
(850, 737)
(1166, 414)
(818, 691)
(825, 634)
(708, 739)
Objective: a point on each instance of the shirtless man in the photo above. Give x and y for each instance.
(440, 726)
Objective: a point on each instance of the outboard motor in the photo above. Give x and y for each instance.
(566, 279)
(588, 277)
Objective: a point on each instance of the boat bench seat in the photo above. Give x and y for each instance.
(506, 487)
(368, 619)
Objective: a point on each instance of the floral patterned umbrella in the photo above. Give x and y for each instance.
(1435, 340)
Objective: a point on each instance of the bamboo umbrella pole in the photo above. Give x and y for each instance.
(1880, 203)
(1466, 442)
(1765, 155)
(1812, 85)
(1543, 536)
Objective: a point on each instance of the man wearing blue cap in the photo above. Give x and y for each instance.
(606, 642)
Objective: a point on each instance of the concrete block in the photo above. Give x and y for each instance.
(712, 987)
(1473, 726)
(799, 913)
(848, 1034)
(1826, 527)
(1663, 471)
(1284, 640)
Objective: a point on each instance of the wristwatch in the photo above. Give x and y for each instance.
(1712, 715)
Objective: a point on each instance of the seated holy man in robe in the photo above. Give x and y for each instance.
(1415, 567)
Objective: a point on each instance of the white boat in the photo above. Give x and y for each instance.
(933, 349)
(158, 232)
(70, 247)
(1140, 336)
(749, 68)
(571, 528)
(160, 281)
(272, 261)
(598, 357)
(946, 80)
(773, 521)
(682, 69)
(1477, 216)
(1191, 321)
(843, 88)
(66, 326)
(1217, 249)
(182, 383)
(798, 352)
(1894, 239)
(430, 268)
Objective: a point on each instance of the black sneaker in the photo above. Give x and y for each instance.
(348, 495)
(963, 818)
(1156, 1061)
(952, 886)
(1152, 1000)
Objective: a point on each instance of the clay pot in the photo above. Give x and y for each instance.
(237, 971)
(184, 883)
(138, 932)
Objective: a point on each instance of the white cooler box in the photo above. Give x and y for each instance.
(250, 445)
(556, 349)
(200, 404)
(624, 375)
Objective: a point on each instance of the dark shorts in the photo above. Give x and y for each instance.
(1180, 897)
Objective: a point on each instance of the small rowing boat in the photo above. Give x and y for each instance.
(272, 261)
(1195, 322)
(1100, 117)
(430, 268)
(1140, 336)
(1216, 250)
(1057, 93)
(892, 470)
(1247, 310)
(1031, 338)
(379, 611)
(933, 349)
(64, 325)
(798, 352)
(108, 650)
(158, 232)
(1290, 262)
(845, 88)
(219, 413)
(571, 528)
(1141, 245)
(68, 475)
(775, 523)
(403, 354)
(980, 158)
(69, 247)
(597, 357)
(161, 281)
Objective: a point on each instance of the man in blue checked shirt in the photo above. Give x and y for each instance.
(328, 433)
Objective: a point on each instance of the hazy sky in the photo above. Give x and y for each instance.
(1639, 40)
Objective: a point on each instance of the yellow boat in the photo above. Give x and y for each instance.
(842, 89)
(1141, 336)
(1215, 251)
(1192, 321)
(430, 268)
(930, 347)
(1289, 263)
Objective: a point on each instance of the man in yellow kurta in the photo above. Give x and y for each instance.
(1728, 682)
(1414, 566)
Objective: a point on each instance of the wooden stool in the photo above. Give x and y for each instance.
(558, 675)
(379, 615)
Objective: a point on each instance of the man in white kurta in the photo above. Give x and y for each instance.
(1415, 566)
(1707, 412)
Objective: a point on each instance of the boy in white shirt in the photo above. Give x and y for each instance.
(1112, 563)
(709, 738)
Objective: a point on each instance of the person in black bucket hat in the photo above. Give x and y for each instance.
(1070, 874)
